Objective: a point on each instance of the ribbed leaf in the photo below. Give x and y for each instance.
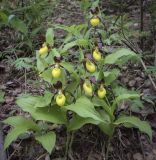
(52, 114)
(77, 122)
(21, 125)
(19, 121)
(47, 140)
(143, 126)
(68, 46)
(50, 36)
(68, 66)
(44, 101)
(84, 108)
(122, 97)
(18, 24)
(13, 134)
(41, 63)
(119, 56)
(2, 96)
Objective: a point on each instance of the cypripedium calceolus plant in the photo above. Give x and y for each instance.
(88, 88)
(44, 50)
(80, 78)
(97, 55)
(90, 66)
(101, 92)
(95, 21)
(56, 71)
(60, 99)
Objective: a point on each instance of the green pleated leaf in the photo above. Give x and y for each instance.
(44, 101)
(2, 96)
(84, 108)
(68, 46)
(19, 121)
(126, 96)
(110, 76)
(47, 76)
(52, 114)
(41, 63)
(50, 36)
(18, 24)
(107, 128)
(120, 56)
(83, 42)
(13, 134)
(101, 103)
(47, 140)
(143, 126)
(21, 125)
(77, 122)
(68, 66)
(3, 17)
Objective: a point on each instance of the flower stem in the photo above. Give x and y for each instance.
(108, 147)
(67, 145)
(70, 137)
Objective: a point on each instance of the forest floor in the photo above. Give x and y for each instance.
(89, 142)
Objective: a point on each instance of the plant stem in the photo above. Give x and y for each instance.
(141, 23)
(67, 146)
(108, 147)
(107, 101)
(71, 141)
(25, 80)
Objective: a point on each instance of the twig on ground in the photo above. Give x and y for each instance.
(120, 135)
(14, 150)
(141, 146)
(43, 155)
(141, 23)
(149, 76)
(137, 50)
(155, 53)
(142, 62)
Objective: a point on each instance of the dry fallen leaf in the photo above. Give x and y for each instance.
(137, 156)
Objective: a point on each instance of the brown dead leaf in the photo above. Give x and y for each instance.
(47, 157)
(9, 99)
(150, 157)
(132, 83)
(138, 156)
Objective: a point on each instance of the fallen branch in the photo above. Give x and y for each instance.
(142, 62)
(149, 76)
